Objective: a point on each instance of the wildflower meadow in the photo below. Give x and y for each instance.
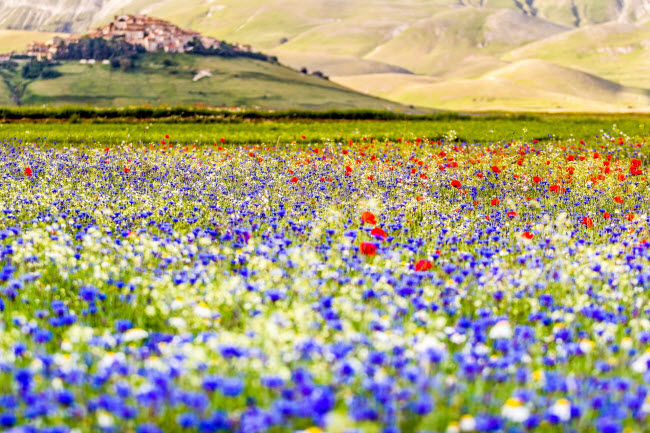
(344, 285)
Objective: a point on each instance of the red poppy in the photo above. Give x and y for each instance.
(455, 183)
(630, 217)
(537, 179)
(495, 201)
(127, 169)
(618, 199)
(588, 222)
(512, 214)
(368, 248)
(222, 140)
(294, 179)
(606, 215)
(528, 235)
(496, 169)
(378, 233)
(368, 218)
(28, 172)
(423, 265)
(166, 135)
(635, 171)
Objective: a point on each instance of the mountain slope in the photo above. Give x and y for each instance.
(615, 51)
(168, 79)
(49, 15)
(447, 42)
(241, 18)
(426, 47)
(527, 85)
(11, 40)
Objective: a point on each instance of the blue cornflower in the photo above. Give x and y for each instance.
(187, 420)
(148, 428)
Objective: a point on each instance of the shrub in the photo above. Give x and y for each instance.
(32, 70)
(49, 73)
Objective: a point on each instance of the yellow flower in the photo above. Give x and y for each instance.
(514, 402)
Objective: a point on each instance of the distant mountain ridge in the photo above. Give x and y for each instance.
(408, 41)
(80, 15)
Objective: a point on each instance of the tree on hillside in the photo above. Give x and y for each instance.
(98, 49)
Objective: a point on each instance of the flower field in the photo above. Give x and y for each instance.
(402, 284)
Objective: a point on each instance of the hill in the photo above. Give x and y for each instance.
(426, 46)
(528, 85)
(442, 41)
(266, 22)
(615, 51)
(11, 40)
(169, 79)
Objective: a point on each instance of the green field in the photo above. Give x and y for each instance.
(163, 79)
(478, 129)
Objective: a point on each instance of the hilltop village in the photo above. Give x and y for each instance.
(152, 34)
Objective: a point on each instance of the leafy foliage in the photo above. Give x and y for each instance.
(98, 49)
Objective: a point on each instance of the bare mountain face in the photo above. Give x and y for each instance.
(49, 15)
(363, 43)
(79, 15)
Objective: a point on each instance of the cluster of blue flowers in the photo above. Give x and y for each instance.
(357, 287)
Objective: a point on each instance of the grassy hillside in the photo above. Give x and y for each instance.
(11, 40)
(363, 43)
(265, 21)
(615, 51)
(234, 82)
(331, 64)
(266, 24)
(436, 45)
(529, 85)
(5, 94)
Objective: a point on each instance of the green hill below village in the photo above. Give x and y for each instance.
(172, 79)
